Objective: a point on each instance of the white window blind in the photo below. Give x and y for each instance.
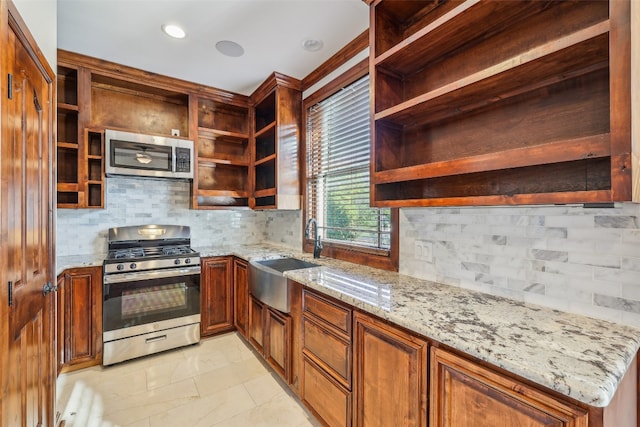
(338, 147)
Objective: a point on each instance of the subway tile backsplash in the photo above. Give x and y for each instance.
(575, 259)
(135, 201)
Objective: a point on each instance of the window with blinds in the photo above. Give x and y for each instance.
(338, 146)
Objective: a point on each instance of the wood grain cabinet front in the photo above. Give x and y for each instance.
(390, 375)
(270, 333)
(277, 342)
(79, 318)
(216, 296)
(326, 359)
(466, 394)
(241, 296)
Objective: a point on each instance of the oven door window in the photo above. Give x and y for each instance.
(154, 299)
(134, 155)
(146, 301)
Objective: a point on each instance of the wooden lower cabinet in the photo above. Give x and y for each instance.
(277, 342)
(270, 333)
(326, 359)
(329, 400)
(256, 324)
(241, 296)
(216, 296)
(79, 318)
(389, 376)
(466, 394)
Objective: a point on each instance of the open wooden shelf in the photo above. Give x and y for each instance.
(266, 192)
(67, 107)
(479, 102)
(276, 128)
(265, 113)
(208, 132)
(553, 152)
(223, 154)
(538, 68)
(267, 159)
(268, 129)
(68, 145)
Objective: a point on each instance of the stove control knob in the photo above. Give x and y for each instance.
(187, 261)
(176, 262)
(120, 267)
(133, 266)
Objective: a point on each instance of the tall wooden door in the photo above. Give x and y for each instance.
(27, 372)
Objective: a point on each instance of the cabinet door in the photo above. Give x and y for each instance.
(390, 375)
(241, 295)
(83, 317)
(277, 348)
(256, 323)
(216, 296)
(466, 394)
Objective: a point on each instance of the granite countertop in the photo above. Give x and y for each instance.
(578, 356)
(75, 261)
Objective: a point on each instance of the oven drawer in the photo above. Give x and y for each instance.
(141, 345)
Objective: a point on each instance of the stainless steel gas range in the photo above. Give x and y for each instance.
(151, 295)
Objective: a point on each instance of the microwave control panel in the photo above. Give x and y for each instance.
(183, 159)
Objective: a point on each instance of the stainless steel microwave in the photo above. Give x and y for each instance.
(147, 155)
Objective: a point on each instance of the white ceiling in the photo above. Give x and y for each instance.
(270, 31)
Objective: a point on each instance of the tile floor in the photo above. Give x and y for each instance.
(219, 382)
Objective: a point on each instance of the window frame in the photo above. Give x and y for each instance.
(353, 253)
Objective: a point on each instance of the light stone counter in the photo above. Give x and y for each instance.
(75, 261)
(578, 356)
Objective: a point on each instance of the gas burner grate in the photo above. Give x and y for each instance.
(176, 250)
(128, 253)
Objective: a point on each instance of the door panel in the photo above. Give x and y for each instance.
(27, 369)
(216, 294)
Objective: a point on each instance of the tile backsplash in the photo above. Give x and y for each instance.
(575, 259)
(135, 201)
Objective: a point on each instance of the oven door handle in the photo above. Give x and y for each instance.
(147, 275)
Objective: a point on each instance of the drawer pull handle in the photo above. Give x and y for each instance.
(154, 339)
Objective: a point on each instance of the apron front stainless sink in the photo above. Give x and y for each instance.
(267, 282)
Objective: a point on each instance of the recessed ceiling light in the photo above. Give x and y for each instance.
(229, 48)
(174, 31)
(312, 45)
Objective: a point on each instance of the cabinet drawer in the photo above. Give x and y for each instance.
(328, 399)
(328, 348)
(332, 313)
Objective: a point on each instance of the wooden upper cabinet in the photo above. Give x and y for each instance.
(79, 149)
(222, 151)
(466, 394)
(487, 103)
(216, 296)
(275, 138)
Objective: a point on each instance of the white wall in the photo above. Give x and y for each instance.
(41, 18)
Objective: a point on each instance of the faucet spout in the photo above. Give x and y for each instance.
(317, 244)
